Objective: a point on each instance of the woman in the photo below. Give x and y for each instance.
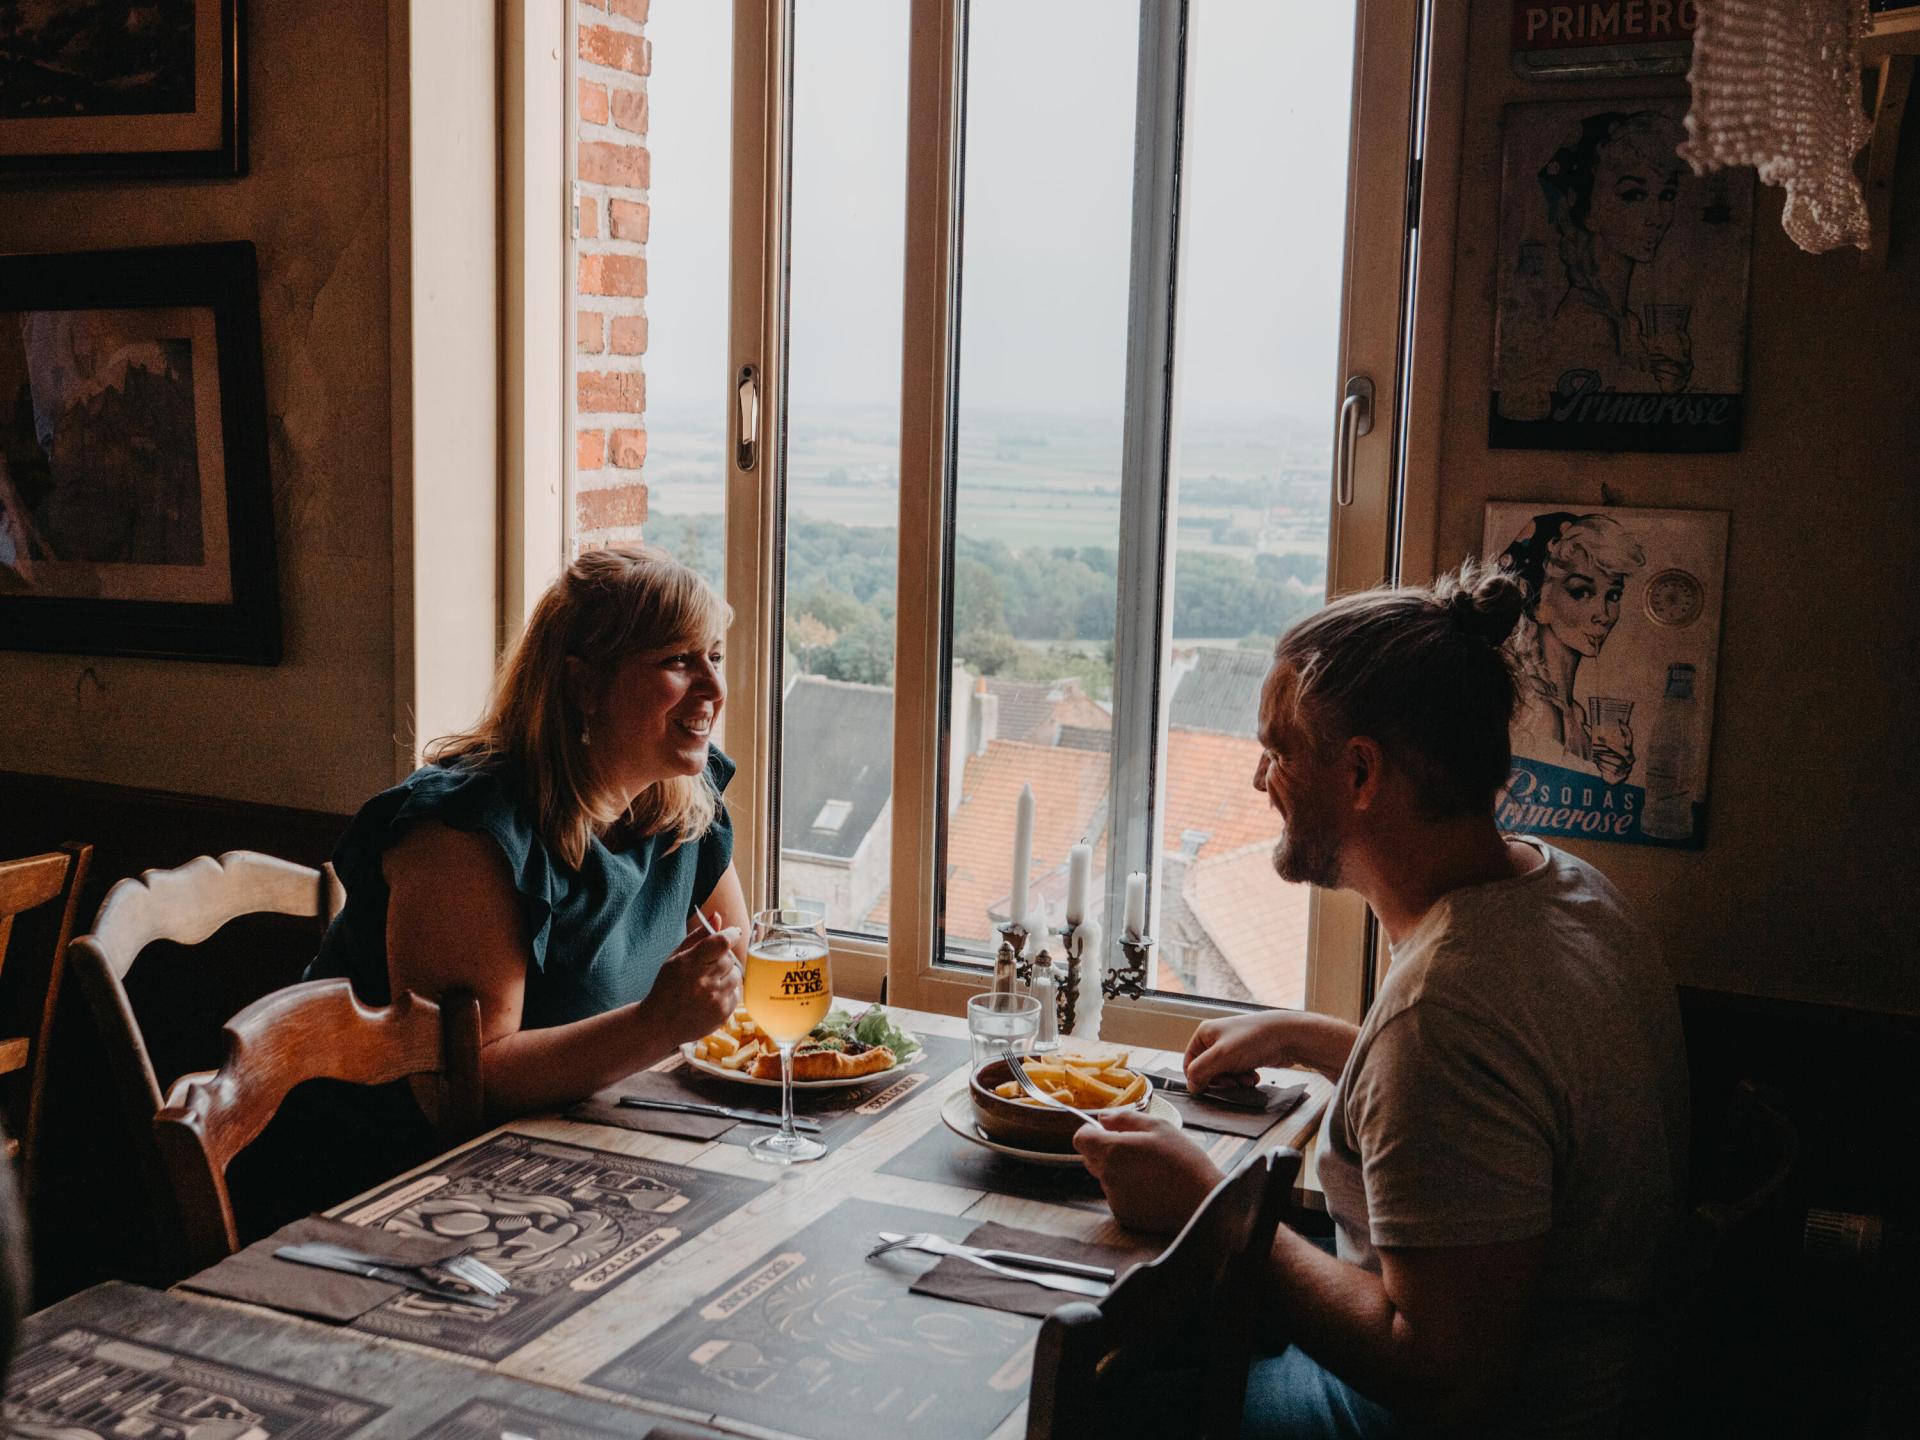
(1574, 569)
(1610, 191)
(554, 859)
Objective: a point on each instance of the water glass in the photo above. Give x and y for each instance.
(1000, 1025)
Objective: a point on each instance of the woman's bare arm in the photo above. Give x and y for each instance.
(453, 922)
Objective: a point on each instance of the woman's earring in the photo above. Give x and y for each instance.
(586, 737)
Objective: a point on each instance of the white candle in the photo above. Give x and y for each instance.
(1136, 922)
(1091, 999)
(1022, 854)
(1079, 871)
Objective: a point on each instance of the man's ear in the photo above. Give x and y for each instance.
(1365, 771)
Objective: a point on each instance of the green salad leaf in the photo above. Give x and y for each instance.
(872, 1026)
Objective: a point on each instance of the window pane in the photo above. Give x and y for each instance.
(841, 473)
(1263, 216)
(687, 123)
(1045, 255)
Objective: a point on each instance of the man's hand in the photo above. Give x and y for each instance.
(697, 988)
(1233, 1048)
(1154, 1176)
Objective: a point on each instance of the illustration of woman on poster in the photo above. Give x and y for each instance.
(1574, 569)
(1610, 192)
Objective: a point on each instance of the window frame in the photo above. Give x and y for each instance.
(1379, 536)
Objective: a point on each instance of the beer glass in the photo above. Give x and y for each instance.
(787, 991)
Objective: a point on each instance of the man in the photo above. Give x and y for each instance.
(1504, 1154)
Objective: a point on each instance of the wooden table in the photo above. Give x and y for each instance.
(589, 1339)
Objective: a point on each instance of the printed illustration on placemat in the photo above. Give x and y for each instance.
(562, 1222)
(84, 1382)
(498, 1420)
(811, 1339)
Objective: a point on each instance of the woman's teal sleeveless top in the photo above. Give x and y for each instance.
(597, 936)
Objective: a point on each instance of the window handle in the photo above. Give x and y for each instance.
(1356, 419)
(747, 441)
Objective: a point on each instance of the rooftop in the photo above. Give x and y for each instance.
(1221, 692)
(838, 773)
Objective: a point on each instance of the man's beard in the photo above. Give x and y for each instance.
(1303, 857)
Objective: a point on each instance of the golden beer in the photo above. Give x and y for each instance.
(785, 989)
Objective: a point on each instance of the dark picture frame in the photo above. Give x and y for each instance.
(187, 117)
(198, 579)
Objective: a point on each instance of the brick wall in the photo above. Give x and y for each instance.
(610, 288)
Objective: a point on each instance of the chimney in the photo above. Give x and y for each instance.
(986, 716)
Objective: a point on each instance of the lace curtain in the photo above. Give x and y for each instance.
(1776, 85)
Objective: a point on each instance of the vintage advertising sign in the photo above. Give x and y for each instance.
(1617, 651)
(1589, 39)
(1622, 314)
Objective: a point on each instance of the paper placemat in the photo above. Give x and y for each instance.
(1201, 1113)
(811, 1339)
(256, 1276)
(83, 1381)
(564, 1223)
(957, 1279)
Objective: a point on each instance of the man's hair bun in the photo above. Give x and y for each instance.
(1482, 601)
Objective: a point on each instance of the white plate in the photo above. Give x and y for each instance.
(707, 1067)
(960, 1118)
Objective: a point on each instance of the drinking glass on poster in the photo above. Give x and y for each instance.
(787, 990)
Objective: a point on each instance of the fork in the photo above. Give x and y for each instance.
(1025, 1082)
(463, 1268)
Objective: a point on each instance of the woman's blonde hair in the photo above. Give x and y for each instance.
(609, 604)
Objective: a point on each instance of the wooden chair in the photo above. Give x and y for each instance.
(317, 1030)
(185, 905)
(42, 892)
(1186, 1318)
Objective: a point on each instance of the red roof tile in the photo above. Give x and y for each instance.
(1256, 920)
(1210, 789)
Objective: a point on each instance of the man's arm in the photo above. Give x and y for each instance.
(1433, 1337)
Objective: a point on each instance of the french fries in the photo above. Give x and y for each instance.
(1091, 1083)
(736, 1045)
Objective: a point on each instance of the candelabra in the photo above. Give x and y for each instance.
(1129, 979)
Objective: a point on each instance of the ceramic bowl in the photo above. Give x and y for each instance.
(1024, 1126)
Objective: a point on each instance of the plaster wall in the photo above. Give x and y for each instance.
(317, 730)
(1807, 887)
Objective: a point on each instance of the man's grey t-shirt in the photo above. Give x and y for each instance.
(1521, 1074)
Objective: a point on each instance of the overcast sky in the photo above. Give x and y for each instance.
(1049, 174)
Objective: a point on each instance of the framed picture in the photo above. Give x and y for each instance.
(115, 87)
(1622, 312)
(136, 511)
(1617, 650)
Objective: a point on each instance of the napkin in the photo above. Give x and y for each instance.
(962, 1280)
(257, 1276)
(1202, 1113)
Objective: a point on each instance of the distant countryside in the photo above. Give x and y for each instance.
(1038, 509)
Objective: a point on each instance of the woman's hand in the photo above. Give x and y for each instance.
(1612, 753)
(697, 989)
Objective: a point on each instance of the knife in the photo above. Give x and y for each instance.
(723, 1112)
(325, 1257)
(939, 1245)
(1242, 1097)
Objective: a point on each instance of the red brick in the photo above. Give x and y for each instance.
(605, 163)
(613, 275)
(589, 218)
(629, 448)
(630, 109)
(603, 392)
(628, 334)
(590, 450)
(603, 45)
(588, 332)
(593, 103)
(627, 219)
(634, 10)
(615, 505)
